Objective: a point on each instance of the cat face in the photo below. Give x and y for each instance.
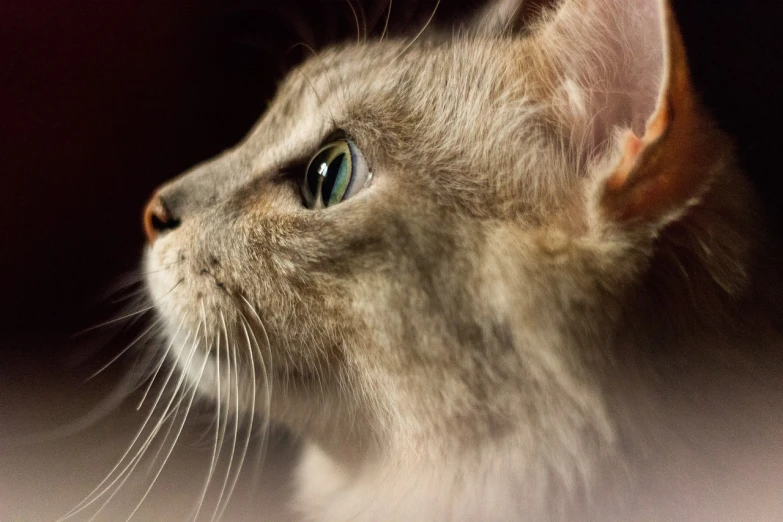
(484, 259)
(390, 276)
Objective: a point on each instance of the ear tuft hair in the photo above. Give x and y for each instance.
(622, 88)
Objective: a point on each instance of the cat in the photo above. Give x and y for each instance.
(498, 273)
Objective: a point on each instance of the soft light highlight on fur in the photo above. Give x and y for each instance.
(482, 333)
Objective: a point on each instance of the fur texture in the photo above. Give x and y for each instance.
(554, 233)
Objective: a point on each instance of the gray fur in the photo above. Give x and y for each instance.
(457, 341)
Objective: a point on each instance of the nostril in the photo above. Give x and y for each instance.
(161, 222)
(157, 218)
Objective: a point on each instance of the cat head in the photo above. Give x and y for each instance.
(438, 235)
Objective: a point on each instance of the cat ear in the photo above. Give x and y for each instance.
(666, 167)
(627, 87)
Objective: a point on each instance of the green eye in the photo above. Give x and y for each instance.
(334, 174)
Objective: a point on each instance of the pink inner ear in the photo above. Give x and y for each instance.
(633, 146)
(614, 53)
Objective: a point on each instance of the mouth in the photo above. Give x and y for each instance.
(201, 323)
(180, 285)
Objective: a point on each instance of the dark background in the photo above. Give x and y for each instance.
(100, 101)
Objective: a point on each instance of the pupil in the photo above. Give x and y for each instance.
(331, 178)
(313, 179)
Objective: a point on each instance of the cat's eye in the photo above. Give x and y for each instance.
(337, 172)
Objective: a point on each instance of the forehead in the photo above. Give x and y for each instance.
(389, 94)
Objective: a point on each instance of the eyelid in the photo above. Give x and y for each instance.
(302, 160)
(359, 163)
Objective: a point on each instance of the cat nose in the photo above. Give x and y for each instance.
(157, 218)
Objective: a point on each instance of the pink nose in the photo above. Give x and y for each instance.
(157, 218)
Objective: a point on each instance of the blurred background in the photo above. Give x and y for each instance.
(100, 101)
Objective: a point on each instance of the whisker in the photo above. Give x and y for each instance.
(215, 447)
(231, 353)
(364, 20)
(421, 32)
(105, 406)
(249, 430)
(194, 348)
(112, 321)
(174, 443)
(161, 268)
(168, 412)
(87, 500)
(267, 382)
(228, 381)
(136, 293)
(160, 364)
(125, 350)
(131, 467)
(386, 23)
(260, 355)
(162, 443)
(356, 19)
(325, 70)
(144, 310)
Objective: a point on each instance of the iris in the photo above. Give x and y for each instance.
(335, 173)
